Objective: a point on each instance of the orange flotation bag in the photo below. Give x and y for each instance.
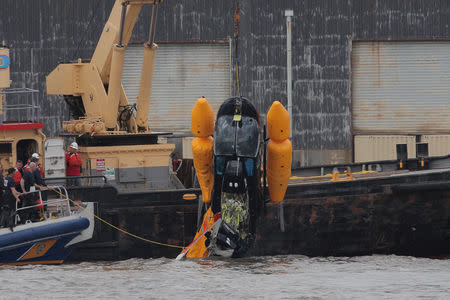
(197, 249)
(202, 126)
(279, 159)
(279, 151)
(278, 122)
(202, 119)
(202, 151)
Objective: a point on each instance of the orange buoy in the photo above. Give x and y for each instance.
(278, 122)
(279, 159)
(202, 150)
(202, 119)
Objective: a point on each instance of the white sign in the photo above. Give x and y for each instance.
(109, 173)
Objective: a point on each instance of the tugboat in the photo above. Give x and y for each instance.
(51, 240)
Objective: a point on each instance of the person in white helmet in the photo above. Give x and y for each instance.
(73, 164)
(35, 158)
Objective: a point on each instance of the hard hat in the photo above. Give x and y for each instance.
(35, 155)
(74, 145)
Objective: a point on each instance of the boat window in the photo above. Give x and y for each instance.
(5, 148)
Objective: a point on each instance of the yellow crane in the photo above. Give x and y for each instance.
(111, 137)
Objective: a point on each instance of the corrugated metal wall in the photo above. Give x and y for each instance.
(183, 72)
(382, 147)
(401, 87)
(45, 32)
(438, 145)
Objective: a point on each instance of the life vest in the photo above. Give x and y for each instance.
(40, 204)
(17, 177)
(41, 169)
(73, 163)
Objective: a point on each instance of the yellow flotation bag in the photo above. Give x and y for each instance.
(202, 126)
(279, 159)
(202, 119)
(202, 151)
(278, 122)
(279, 151)
(197, 249)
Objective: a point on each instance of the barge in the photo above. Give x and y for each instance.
(389, 211)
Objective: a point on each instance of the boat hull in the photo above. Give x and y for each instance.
(47, 242)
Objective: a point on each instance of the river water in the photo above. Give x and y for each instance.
(278, 277)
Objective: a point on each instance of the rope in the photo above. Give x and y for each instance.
(237, 78)
(119, 229)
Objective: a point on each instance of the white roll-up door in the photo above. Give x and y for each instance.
(183, 72)
(401, 87)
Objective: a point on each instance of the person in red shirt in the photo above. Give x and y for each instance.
(73, 164)
(18, 173)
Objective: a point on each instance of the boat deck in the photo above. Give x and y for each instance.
(357, 176)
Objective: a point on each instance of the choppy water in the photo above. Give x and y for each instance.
(279, 277)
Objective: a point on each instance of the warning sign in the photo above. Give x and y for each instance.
(101, 164)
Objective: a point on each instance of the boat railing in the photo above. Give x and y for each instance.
(58, 206)
(87, 180)
(19, 105)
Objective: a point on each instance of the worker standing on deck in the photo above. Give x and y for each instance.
(18, 173)
(10, 197)
(35, 158)
(28, 184)
(2, 191)
(2, 186)
(73, 165)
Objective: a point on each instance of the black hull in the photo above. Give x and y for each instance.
(404, 214)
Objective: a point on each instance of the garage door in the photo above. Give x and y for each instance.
(183, 73)
(401, 87)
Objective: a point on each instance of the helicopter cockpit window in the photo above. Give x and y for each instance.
(247, 138)
(240, 139)
(225, 136)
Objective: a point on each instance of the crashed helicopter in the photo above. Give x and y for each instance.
(233, 159)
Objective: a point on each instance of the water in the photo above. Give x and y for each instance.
(279, 277)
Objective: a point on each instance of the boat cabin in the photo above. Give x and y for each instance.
(20, 132)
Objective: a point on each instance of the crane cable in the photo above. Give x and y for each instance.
(87, 27)
(236, 40)
(117, 228)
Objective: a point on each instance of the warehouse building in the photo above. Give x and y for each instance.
(369, 78)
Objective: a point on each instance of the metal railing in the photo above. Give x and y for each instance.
(105, 180)
(19, 105)
(60, 206)
(86, 180)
